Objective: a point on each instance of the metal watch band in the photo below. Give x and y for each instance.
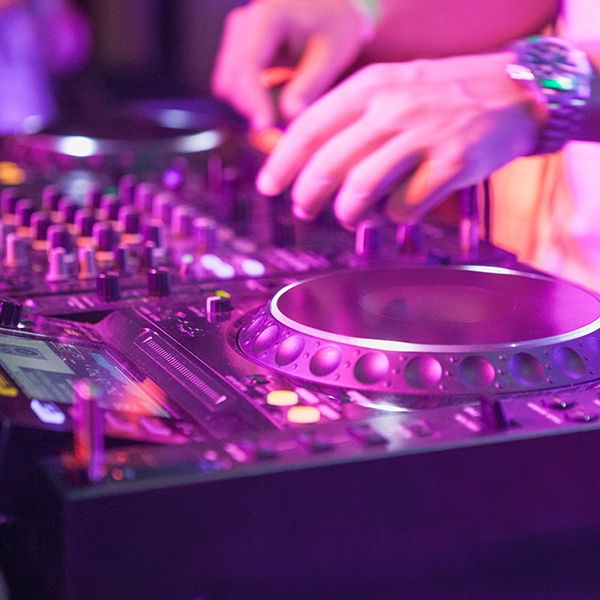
(560, 75)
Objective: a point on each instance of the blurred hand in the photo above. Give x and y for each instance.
(326, 34)
(431, 126)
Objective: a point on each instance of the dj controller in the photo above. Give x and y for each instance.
(245, 405)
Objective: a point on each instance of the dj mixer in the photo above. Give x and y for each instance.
(244, 405)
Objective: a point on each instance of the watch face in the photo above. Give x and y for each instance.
(558, 67)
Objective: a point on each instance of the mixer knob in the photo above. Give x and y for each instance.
(409, 238)
(10, 313)
(23, 211)
(107, 287)
(50, 198)
(109, 207)
(493, 414)
(57, 265)
(40, 222)
(182, 221)
(58, 236)
(93, 196)
(149, 259)
(205, 234)
(123, 262)
(17, 251)
(87, 262)
(142, 197)
(368, 239)
(155, 232)
(8, 201)
(106, 237)
(84, 222)
(159, 282)
(162, 206)
(130, 224)
(218, 308)
(67, 207)
(126, 189)
(4, 231)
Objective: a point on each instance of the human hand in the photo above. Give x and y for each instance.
(433, 126)
(328, 35)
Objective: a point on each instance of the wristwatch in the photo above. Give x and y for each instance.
(560, 76)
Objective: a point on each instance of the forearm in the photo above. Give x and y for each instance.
(410, 29)
(590, 127)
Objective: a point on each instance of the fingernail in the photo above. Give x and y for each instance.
(300, 213)
(265, 184)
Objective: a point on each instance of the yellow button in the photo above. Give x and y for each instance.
(282, 398)
(303, 414)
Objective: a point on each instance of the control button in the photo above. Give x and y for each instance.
(48, 412)
(316, 443)
(558, 403)
(265, 451)
(119, 423)
(420, 429)
(367, 435)
(580, 415)
(155, 427)
(282, 398)
(303, 414)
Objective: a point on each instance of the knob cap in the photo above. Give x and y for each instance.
(368, 239)
(10, 313)
(159, 282)
(107, 287)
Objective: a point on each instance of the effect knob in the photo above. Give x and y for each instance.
(159, 282)
(107, 287)
(57, 265)
(368, 239)
(50, 198)
(10, 313)
(218, 308)
(17, 251)
(109, 207)
(67, 207)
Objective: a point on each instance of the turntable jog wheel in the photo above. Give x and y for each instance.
(429, 330)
